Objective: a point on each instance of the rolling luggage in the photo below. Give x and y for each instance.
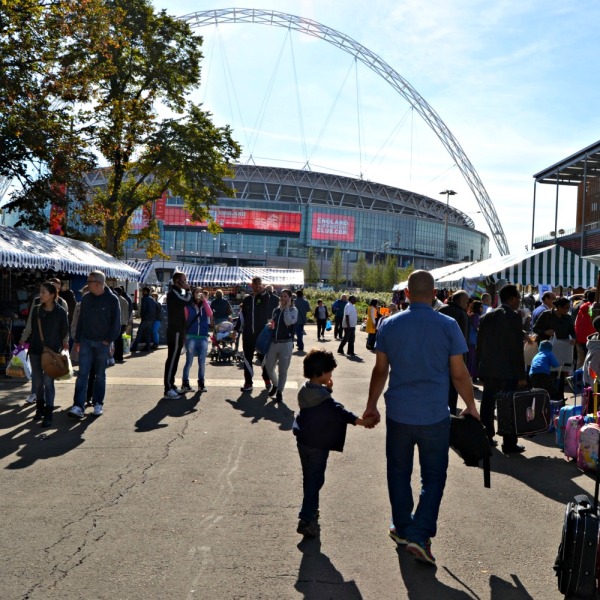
(555, 407)
(589, 438)
(566, 412)
(572, 431)
(575, 564)
(523, 413)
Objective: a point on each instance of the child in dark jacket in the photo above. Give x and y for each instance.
(319, 427)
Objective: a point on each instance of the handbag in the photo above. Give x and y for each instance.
(55, 365)
(263, 342)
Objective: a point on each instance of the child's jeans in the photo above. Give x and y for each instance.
(314, 463)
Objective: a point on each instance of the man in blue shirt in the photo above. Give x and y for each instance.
(419, 367)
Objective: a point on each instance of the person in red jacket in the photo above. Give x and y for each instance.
(583, 326)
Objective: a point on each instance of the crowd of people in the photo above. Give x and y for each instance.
(462, 339)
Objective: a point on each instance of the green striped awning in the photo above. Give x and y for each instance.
(554, 265)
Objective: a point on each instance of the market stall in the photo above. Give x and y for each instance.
(29, 257)
(437, 273)
(553, 265)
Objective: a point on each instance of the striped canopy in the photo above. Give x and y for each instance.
(437, 273)
(217, 276)
(27, 249)
(145, 268)
(553, 265)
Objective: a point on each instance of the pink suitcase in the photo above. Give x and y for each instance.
(572, 431)
(587, 453)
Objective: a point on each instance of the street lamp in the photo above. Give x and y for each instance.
(448, 194)
(185, 236)
(266, 257)
(347, 268)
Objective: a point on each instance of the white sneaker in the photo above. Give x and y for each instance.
(31, 399)
(172, 395)
(75, 412)
(98, 410)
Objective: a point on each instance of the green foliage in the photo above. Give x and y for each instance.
(360, 271)
(312, 269)
(362, 299)
(336, 275)
(113, 63)
(390, 273)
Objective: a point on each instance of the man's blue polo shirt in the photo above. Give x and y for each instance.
(418, 343)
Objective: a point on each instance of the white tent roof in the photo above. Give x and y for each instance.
(552, 265)
(213, 276)
(437, 273)
(27, 249)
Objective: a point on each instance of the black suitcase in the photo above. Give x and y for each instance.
(576, 561)
(523, 413)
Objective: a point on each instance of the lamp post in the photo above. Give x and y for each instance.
(448, 194)
(185, 236)
(347, 268)
(266, 258)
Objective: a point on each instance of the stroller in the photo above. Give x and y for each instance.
(224, 343)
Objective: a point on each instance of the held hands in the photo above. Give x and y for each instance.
(371, 418)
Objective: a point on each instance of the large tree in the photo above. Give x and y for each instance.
(132, 113)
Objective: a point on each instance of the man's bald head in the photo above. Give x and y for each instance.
(420, 286)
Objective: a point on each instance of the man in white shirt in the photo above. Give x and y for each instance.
(349, 326)
(486, 301)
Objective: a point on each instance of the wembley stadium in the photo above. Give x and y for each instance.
(277, 214)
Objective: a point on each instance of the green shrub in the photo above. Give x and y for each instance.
(363, 300)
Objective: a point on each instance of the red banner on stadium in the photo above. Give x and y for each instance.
(332, 227)
(234, 218)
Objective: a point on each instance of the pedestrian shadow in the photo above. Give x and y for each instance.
(506, 590)
(30, 442)
(557, 481)
(261, 407)
(167, 407)
(421, 582)
(318, 578)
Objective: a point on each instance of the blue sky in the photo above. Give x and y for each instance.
(515, 82)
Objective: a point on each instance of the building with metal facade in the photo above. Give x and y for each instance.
(278, 214)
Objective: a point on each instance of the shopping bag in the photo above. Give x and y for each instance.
(21, 353)
(126, 343)
(15, 368)
(68, 375)
(328, 325)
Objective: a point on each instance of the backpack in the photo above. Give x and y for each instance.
(469, 438)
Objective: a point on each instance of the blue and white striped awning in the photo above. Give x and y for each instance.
(145, 269)
(554, 265)
(437, 273)
(215, 276)
(26, 249)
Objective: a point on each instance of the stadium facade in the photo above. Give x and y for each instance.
(277, 214)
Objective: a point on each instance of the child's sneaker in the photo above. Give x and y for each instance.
(307, 529)
(401, 541)
(421, 551)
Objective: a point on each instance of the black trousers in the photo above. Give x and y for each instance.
(175, 341)
(349, 335)
(491, 386)
(248, 348)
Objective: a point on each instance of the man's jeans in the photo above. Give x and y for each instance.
(91, 354)
(314, 463)
(300, 336)
(195, 347)
(433, 443)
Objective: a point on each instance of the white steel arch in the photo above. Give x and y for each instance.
(379, 66)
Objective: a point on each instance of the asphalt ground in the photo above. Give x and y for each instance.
(198, 498)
